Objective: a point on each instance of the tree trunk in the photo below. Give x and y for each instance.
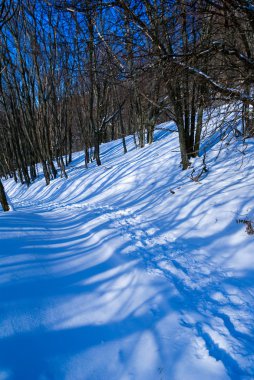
(122, 132)
(87, 158)
(141, 136)
(63, 172)
(248, 116)
(183, 148)
(150, 132)
(3, 199)
(46, 173)
(198, 131)
(182, 135)
(97, 148)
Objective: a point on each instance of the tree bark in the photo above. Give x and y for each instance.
(3, 199)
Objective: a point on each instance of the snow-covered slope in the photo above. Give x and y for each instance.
(131, 270)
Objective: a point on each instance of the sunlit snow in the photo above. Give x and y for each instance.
(130, 270)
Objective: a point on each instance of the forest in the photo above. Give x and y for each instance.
(75, 74)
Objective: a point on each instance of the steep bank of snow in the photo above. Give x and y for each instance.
(131, 270)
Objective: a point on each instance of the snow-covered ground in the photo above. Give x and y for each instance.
(131, 270)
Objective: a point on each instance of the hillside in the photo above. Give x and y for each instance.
(131, 270)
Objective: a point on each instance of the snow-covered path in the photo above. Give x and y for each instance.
(109, 275)
(92, 314)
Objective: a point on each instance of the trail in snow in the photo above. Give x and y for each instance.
(85, 311)
(109, 275)
(207, 307)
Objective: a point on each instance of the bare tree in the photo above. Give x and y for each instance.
(7, 10)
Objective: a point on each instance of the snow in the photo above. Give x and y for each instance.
(110, 275)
